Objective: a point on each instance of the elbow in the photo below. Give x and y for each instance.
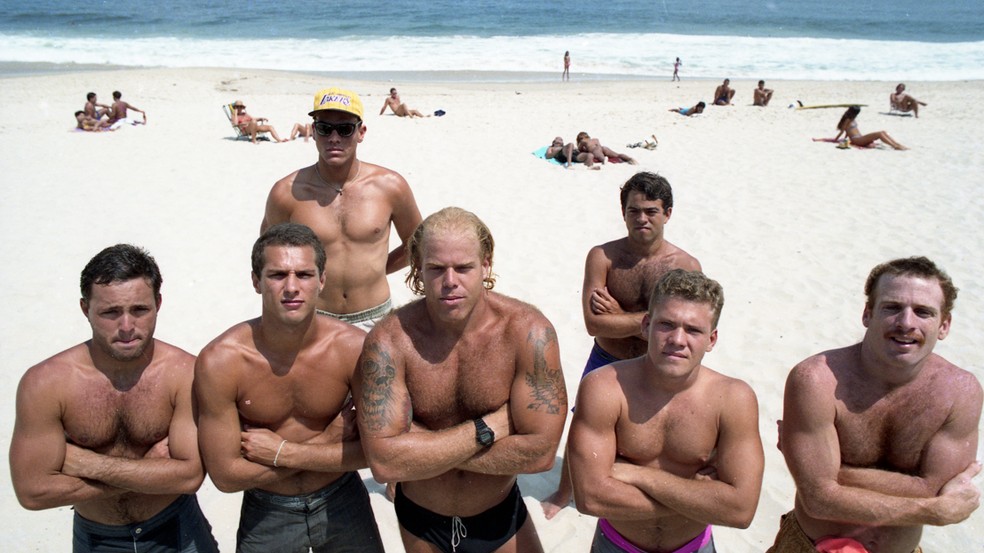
(33, 502)
(542, 463)
(387, 472)
(226, 484)
(588, 504)
(740, 518)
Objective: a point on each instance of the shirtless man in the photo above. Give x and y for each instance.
(661, 447)
(903, 102)
(399, 108)
(92, 106)
(268, 391)
(618, 277)
(107, 427)
(565, 153)
(761, 95)
(724, 93)
(457, 393)
(880, 437)
(600, 153)
(350, 205)
(118, 113)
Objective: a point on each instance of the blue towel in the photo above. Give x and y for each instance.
(542, 154)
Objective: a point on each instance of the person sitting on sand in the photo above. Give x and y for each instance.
(723, 94)
(567, 154)
(86, 123)
(698, 108)
(848, 125)
(901, 101)
(118, 113)
(251, 126)
(302, 129)
(399, 108)
(761, 95)
(92, 107)
(600, 153)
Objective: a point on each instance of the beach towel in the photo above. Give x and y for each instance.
(542, 154)
(831, 140)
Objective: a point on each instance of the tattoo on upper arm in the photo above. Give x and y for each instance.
(546, 383)
(378, 374)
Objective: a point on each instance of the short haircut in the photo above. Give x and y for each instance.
(912, 266)
(693, 286)
(90, 96)
(77, 113)
(117, 94)
(761, 82)
(654, 186)
(454, 220)
(287, 234)
(120, 263)
(392, 90)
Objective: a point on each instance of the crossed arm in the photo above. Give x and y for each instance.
(941, 493)
(603, 316)
(605, 486)
(527, 427)
(48, 472)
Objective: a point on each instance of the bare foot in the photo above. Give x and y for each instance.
(554, 504)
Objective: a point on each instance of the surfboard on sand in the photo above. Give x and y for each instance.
(832, 106)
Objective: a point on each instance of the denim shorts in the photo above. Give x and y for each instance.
(337, 517)
(179, 528)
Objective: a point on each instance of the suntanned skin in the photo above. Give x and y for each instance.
(119, 111)
(399, 108)
(354, 226)
(761, 95)
(600, 153)
(568, 151)
(661, 445)
(112, 436)
(434, 365)
(723, 94)
(903, 102)
(881, 436)
(91, 108)
(619, 275)
(618, 278)
(283, 376)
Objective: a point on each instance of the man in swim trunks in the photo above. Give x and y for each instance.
(761, 95)
(118, 114)
(724, 93)
(107, 426)
(903, 102)
(567, 153)
(880, 437)
(687, 112)
(350, 205)
(618, 277)
(274, 415)
(92, 107)
(459, 392)
(661, 447)
(399, 108)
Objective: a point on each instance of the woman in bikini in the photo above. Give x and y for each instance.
(251, 126)
(849, 125)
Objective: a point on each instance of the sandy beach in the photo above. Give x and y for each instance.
(790, 227)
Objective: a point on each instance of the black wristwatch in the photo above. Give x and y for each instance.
(483, 434)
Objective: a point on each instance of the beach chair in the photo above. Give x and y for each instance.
(240, 135)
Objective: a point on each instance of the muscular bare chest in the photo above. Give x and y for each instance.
(460, 387)
(110, 421)
(679, 437)
(890, 432)
(355, 216)
(630, 282)
(309, 389)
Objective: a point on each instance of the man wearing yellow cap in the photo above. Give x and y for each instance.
(350, 205)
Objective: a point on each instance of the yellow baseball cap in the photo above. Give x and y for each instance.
(339, 100)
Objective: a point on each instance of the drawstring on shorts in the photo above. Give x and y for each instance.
(458, 531)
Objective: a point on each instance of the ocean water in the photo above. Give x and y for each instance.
(774, 39)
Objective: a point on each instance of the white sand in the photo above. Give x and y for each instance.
(789, 227)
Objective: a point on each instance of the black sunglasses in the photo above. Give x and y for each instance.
(344, 130)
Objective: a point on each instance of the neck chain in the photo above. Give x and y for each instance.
(334, 187)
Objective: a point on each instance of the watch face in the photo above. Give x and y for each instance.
(485, 437)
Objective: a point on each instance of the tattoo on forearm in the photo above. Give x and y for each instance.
(547, 389)
(377, 387)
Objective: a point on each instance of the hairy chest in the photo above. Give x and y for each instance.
(110, 421)
(460, 387)
(631, 281)
(890, 433)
